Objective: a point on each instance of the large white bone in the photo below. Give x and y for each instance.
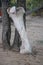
(17, 17)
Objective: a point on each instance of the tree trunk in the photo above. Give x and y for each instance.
(17, 39)
(6, 32)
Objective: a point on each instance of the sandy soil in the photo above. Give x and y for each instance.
(35, 35)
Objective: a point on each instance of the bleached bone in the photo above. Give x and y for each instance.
(16, 15)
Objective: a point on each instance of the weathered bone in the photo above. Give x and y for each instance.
(17, 17)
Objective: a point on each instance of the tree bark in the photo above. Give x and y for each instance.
(17, 40)
(6, 32)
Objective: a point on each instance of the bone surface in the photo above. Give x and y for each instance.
(17, 17)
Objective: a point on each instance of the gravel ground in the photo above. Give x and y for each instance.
(35, 35)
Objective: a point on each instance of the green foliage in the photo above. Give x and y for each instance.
(33, 4)
(30, 4)
(13, 2)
